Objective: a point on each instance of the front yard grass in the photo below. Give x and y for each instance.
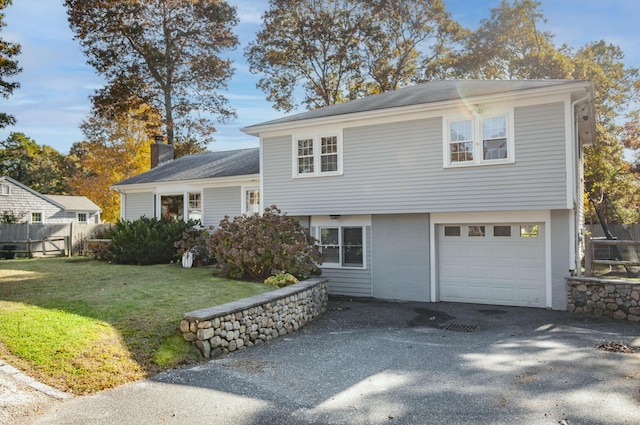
(82, 325)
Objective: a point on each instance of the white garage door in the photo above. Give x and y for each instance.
(492, 264)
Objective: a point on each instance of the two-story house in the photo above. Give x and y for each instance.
(464, 191)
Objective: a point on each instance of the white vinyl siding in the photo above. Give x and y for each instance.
(221, 201)
(397, 168)
(400, 257)
(138, 204)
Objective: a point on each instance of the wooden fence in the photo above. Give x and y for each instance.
(36, 239)
(619, 231)
(620, 254)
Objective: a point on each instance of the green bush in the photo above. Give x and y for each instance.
(145, 241)
(258, 246)
(281, 280)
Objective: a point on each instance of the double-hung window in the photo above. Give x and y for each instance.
(251, 201)
(342, 246)
(479, 139)
(317, 154)
(82, 217)
(195, 206)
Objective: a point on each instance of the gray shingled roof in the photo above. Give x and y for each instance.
(431, 92)
(201, 166)
(74, 203)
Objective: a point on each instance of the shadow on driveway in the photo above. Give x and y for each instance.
(376, 362)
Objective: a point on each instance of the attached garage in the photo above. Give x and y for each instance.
(492, 263)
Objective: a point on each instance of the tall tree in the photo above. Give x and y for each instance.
(42, 168)
(337, 50)
(511, 45)
(115, 149)
(404, 40)
(617, 89)
(308, 43)
(163, 53)
(8, 67)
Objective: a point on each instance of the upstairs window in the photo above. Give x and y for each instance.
(480, 140)
(317, 155)
(5, 189)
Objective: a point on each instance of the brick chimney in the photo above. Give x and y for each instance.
(160, 152)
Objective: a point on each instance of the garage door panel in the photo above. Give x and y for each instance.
(503, 270)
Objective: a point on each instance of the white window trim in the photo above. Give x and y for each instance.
(36, 212)
(317, 153)
(187, 206)
(246, 189)
(5, 190)
(78, 216)
(319, 222)
(476, 115)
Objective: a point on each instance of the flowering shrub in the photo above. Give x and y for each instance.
(281, 280)
(258, 246)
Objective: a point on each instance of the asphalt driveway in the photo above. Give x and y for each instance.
(373, 362)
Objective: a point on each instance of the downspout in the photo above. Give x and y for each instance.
(575, 261)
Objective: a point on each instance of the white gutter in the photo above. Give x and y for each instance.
(574, 258)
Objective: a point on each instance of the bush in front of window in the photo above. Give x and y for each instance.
(258, 246)
(145, 241)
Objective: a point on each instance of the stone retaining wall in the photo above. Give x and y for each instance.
(221, 329)
(619, 299)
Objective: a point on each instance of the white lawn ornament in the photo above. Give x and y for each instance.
(187, 259)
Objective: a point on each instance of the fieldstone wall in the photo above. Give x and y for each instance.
(602, 297)
(222, 329)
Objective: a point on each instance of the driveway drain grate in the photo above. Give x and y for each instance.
(457, 327)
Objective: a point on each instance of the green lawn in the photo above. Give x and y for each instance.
(82, 325)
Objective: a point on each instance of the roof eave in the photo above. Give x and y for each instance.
(258, 129)
(121, 188)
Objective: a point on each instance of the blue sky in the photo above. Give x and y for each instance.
(56, 82)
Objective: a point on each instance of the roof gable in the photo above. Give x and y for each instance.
(31, 191)
(201, 166)
(74, 203)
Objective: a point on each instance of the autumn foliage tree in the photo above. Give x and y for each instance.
(162, 53)
(114, 149)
